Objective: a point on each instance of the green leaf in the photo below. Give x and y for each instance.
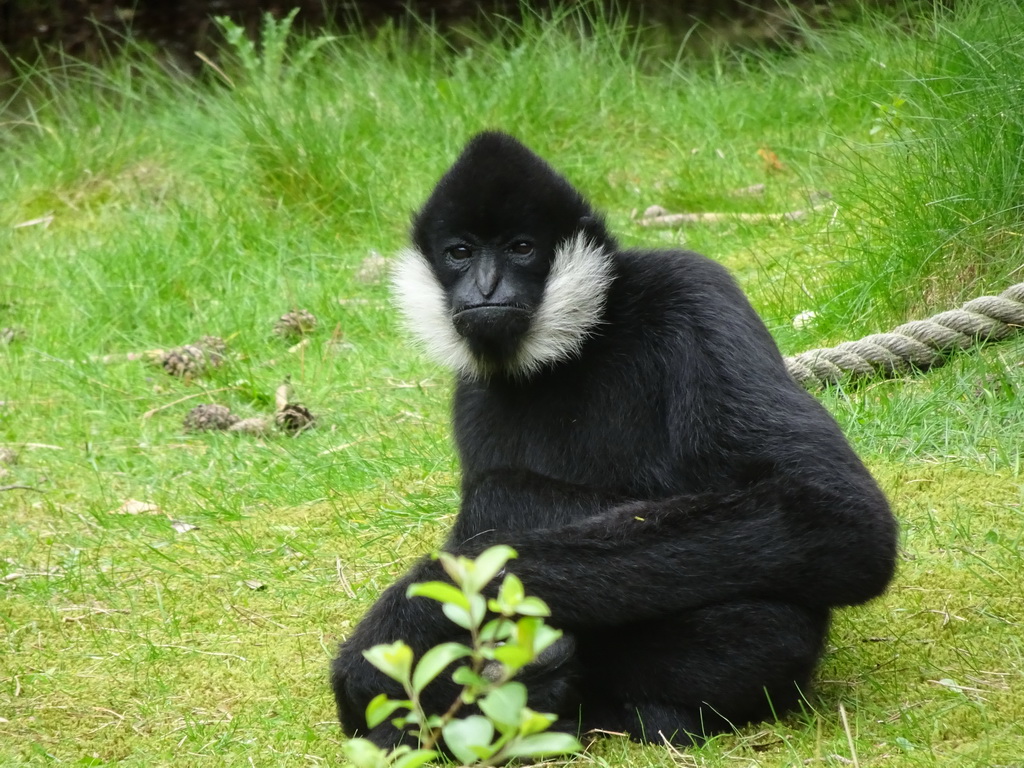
(470, 619)
(544, 636)
(306, 54)
(543, 745)
(904, 744)
(534, 722)
(457, 615)
(487, 565)
(514, 656)
(435, 661)
(412, 717)
(477, 610)
(531, 632)
(496, 630)
(533, 606)
(469, 739)
(456, 567)
(414, 759)
(526, 632)
(510, 595)
(381, 708)
(438, 590)
(504, 705)
(394, 660)
(363, 753)
(467, 677)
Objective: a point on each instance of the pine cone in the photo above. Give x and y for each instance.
(209, 417)
(194, 359)
(186, 361)
(295, 324)
(215, 348)
(373, 269)
(294, 418)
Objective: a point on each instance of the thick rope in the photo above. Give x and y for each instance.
(920, 344)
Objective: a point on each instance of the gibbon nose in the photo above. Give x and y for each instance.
(487, 276)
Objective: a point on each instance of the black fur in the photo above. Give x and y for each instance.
(689, 513)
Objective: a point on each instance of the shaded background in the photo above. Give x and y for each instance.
(86, 28)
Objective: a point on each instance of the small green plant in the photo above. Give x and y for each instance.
(270, 66)
(498, 648)
(889, 119)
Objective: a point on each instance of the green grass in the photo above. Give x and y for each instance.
(187, 207)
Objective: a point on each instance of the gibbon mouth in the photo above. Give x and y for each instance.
(489, 320)
(488, 305)
(495, 310)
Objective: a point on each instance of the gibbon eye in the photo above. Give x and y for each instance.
(460, 251)
(523, 248)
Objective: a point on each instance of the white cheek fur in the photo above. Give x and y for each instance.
(427, 315)
(570, 310)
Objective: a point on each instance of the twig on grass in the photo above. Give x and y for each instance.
(118, 715)
(604, 732)
(752, 190)
(656, 216)
(343, 446)
(255, 618)
(15, 575)
(213, 65)
(849, 735)
(673, 750)
(203, 653)
(20, 488)
(344, 581)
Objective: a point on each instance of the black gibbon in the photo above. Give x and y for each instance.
(625, 422)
